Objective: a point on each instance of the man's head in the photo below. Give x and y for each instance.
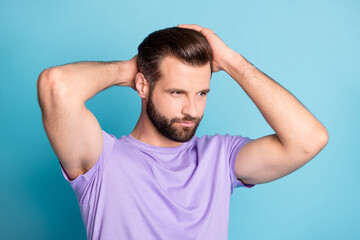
(174, 72)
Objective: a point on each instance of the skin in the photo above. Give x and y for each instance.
(179, 96)
(76, 136)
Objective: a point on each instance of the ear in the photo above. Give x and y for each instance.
(142, 85)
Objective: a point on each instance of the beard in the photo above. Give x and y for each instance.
(168, 127)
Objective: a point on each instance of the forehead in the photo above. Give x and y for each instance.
(180, 75)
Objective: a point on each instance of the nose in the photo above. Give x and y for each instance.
(189, 107)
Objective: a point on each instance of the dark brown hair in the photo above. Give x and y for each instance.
(188, 45)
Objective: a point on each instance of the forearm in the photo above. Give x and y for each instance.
(82, 80)
(294, 125)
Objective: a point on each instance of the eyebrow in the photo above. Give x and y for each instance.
(207, 90)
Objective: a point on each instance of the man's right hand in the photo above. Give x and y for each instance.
(132, 69)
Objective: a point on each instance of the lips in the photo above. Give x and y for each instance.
(186, 124)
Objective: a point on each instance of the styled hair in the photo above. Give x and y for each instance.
(187, 45)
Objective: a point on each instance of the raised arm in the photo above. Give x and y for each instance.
(73, 131)
(299, 135)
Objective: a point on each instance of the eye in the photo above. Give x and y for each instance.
(176, 93)
(202, 93)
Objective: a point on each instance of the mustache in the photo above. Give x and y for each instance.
(186, 119)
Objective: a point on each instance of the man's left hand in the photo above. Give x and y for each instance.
(221, 52)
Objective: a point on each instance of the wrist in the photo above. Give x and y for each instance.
(121, 69)
(237, 64)
(126, 71)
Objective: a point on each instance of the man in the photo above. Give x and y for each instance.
(162, 181)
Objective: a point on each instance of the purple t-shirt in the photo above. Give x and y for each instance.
(141, 191)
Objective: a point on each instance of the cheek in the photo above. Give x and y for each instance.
(201, 105)
(168, 105)
(173, 107)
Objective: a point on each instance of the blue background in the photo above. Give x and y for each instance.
(310, 47)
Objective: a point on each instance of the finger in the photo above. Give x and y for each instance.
(192, 26)
(202, 30)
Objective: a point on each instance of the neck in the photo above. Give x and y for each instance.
(146, 132)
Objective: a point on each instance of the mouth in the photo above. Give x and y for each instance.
(186, 124)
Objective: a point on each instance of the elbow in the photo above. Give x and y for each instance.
(318, 143)
(325, 137)
(49, 85)
(47, 78)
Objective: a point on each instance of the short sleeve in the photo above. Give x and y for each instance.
(236, 142)
(79, 184)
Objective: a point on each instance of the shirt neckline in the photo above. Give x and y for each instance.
(148, 147)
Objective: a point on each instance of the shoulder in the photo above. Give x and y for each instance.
(226, 140)
(213, 140)
(109, 139)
